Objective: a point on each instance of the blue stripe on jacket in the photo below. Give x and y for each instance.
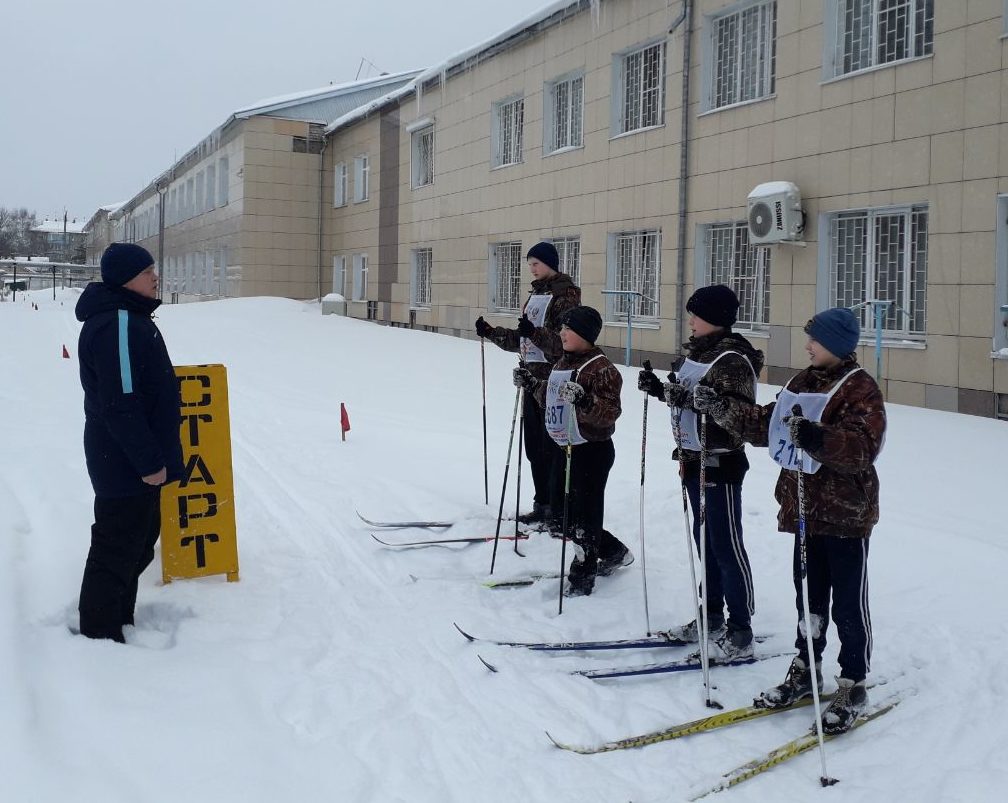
(124, 361)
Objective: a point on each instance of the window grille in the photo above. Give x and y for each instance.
(745, 268)
(423, 157)
(361, 174)
(637, 267)
(509, 125)
(567, 98)
(421, 285)
(875, 32)
(643, 88)
(745, 51)
(506, 285)
(881, 254)
(360, 270)
(569, 251)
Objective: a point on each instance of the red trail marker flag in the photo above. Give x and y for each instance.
(344, 420)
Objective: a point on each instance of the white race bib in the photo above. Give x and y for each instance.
(535, 309)
(561, 417)
(690, 373)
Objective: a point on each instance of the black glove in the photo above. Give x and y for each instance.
(483, 329)
(522, 378)
(650, 384)
(525, 327)
(676, 395)
(709, 401)
(572, 392)
(805, 434)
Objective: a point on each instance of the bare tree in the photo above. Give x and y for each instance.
(15, 225)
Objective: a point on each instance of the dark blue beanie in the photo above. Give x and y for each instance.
(584, 321)
(837, 329)
(545, 253)
(122, 261)
(716, 304)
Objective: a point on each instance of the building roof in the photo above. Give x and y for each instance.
(47, 226)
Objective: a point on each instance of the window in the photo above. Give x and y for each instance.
(1001, 280)
(173, 205)
(200, 193)
(211, 187)
(634, 265)
(742, 54)
(420, 281)
(868, 33)
(223, 181)
(881, 254)
(640, 102)
(222, 270)
(508, 124)
(569, 251)
(563, 115)
(745, 268)
(361, 171)
(306, 145)
(359, 277)
(340, 185)
(188, 198)
(339, 275)
(422, 153)
(505, 277)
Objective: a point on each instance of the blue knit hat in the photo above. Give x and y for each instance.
(836, 329)
(122, 261)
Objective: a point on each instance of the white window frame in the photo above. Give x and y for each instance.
(738, 67)
(727, 257)
(626, 120)
(339, 185)
(421, 169)
(223, 181)
(360, 271)
(1001, 278)
(860, 283)
(504, 291)
(211, 187)
(628, 268)
(200, 193)
(189, 202)
(362, 175)
(569, 251)
(421, 268)
(339, 275)
(563, 128)
(915, 29)
(508, 131)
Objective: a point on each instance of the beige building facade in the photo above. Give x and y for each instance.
(890, 119)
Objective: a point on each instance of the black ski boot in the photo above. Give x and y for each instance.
(849, 703)
(796, 686)
(539, 513)
(616, 560)
(690, 633)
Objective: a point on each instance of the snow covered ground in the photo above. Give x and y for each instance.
(331, 671)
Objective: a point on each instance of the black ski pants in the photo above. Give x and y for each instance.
(541, 451)
(590, 466)
(839, 565)
(122, 546)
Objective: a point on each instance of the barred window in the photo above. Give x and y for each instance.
(569, 251)
(509, 123)
(875, 32)
(340, 184)
(745, 268)
(420, 284)
(642, 78)
(635, 265)
(505, 280)
(564, 114)
(422, 149)
(881, 255)
(744, 54)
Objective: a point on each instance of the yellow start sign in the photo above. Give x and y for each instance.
(198, 535)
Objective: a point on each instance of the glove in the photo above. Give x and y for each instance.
(676, 395)
(522, 378)
(572, 392)
(709, 401)
(650, 384)
(525, 327)
(483, 329)
(805, 434)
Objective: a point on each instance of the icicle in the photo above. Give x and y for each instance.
(596, 10)
(419, 97)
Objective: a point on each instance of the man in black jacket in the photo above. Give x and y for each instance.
(131, 433)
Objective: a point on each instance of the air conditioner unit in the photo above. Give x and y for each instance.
(775, 213)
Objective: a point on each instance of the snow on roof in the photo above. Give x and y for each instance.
(72, 226)
(460, 58)
(111, 207)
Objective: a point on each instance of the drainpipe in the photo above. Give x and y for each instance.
(687, 17)
(321, 205)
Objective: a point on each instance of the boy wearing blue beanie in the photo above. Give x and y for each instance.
(832, 418)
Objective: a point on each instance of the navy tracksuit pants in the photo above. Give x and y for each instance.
(541, 451)
(839, 565)
(729, 576)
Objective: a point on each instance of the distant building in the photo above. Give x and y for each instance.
(59, 240)
(98, 233)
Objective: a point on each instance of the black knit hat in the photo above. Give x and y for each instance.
(122, 261)
(716, 304)
(584, 321)
(545, 253)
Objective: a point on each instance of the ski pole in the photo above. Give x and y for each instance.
(486, 470)
(824, 779)
(566, 510)
(518, 473)
(507, 468)
(704, 646)
(643, 454)
(686, 520)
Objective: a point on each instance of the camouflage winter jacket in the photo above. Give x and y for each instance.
(842, 497)
(566, 296)
(733, 379)
(596, 417)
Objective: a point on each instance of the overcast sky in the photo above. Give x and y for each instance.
(99, 97)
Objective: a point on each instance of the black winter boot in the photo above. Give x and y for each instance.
(796, 686)
(849, 703)
(539, 513)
